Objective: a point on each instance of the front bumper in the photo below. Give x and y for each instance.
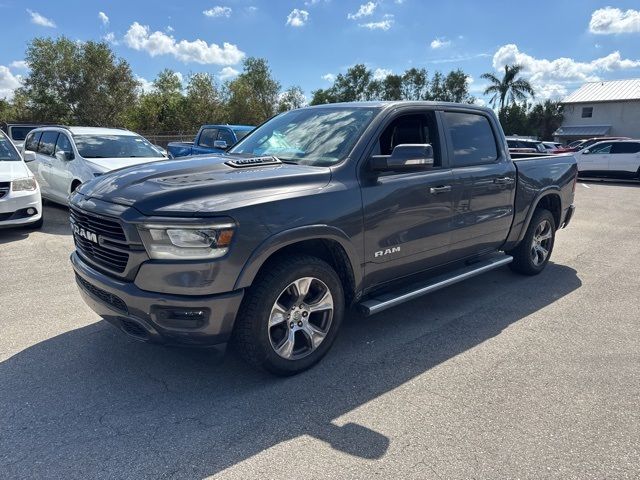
(14, 205)
(157, 317)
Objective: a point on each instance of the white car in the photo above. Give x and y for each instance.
(551, 146)
(612, 158)
(65, 157)
(20, 201)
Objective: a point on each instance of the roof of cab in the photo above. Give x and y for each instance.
(401, 103)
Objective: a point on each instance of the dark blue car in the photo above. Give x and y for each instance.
(210, 139)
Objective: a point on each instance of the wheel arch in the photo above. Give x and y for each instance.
(551, 200)
(322, 241)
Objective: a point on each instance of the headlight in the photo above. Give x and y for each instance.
(23, 184)
(183, 242)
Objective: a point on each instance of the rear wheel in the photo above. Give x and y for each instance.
(533, 253)
(290, 316)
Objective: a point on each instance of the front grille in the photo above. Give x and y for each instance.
(103, 295)
(4, 188)
(104, 253)
(132, 328)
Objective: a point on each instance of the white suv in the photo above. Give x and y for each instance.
(611, 158)
(65, 157)
(20, 202)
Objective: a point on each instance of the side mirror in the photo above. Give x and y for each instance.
(28, 156)
(65, 156)
(405, 157)
(220, 144)
(586, 151)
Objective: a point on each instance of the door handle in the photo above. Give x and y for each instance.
(503, 180)
(438, 190)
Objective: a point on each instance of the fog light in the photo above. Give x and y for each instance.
(180, 318)
(31, 211)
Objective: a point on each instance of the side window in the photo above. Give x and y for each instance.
(31, 143)
(415, 128)
(64, 146)
(227, 136)
(601, 149)
(473, 140)
(47, 143)
(626, 147)
(207, 137)
(587, 112)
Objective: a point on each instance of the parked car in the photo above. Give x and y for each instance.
(20, 201)
(17, 132)
(525, 145)
(210, 139)
(65, 157)
(551, 147)
(582, 144)
(615, 158)
(318, 209)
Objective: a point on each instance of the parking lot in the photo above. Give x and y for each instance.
(502, 376)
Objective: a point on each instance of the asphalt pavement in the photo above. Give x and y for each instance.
(501, 376)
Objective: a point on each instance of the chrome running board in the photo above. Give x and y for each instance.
(388, 300)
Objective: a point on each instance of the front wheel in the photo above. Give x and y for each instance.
(290, 316)
(533, 253)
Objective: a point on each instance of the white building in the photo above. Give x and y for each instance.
(602, 109)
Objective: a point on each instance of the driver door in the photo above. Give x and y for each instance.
(597, 160)
(407, 215)
(61, 163)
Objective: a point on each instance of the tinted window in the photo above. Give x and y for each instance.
(48, 143)
(411, 129)
(472, 138)
(207, 137)
(64, 146)
(240, 134)
(7, 151)
(19, 133)
(587, 112)
(601, 148)
(626, 147)
(32, 141)
(227, 136)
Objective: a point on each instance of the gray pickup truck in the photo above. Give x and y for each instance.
(362, 205)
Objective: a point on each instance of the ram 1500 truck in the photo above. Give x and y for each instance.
(317, 210)
(210, 139)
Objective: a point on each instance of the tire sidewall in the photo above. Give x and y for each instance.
(535, 223)
(268, 357)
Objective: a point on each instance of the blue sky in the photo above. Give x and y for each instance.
(561, 44)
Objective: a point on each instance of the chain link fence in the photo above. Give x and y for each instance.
(163, 138)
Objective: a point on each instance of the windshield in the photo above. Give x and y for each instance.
(114, 146)
(313, 136)
(240, 134)
(7, 151)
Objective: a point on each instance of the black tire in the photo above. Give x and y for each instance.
(252, 335)
(37, 225)
(525, 261)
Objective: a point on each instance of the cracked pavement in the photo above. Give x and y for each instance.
(502, 376)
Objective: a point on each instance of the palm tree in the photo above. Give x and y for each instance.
(509, 89)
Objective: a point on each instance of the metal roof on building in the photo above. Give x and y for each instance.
(582, 131)
(612, 91)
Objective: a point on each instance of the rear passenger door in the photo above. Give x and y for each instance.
(625, 158)
(484, 183)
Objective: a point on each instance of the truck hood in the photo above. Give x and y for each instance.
(202, 185)
(12, 170)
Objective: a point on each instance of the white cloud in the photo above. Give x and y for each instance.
(365, 10)
(145, 85)
(609, 20)
(381, 73)
(19, 64)
(550, 78)
(228, 73)
(103, 18)
(329, 77)
(437, 43)
(311, 3)
(111, 38)
(8, 82)
(218, 11)
(480, 102)
(139, 37)
(169, 29)
(297, 18)
(384, 24)
(41, 20)
(252, 9)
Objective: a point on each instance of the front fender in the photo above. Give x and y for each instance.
(299, 234)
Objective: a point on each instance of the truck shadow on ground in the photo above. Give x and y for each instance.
(91, 403)
(56, 222)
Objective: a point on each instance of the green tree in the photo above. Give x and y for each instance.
(545, 118)
(514, 119)
(252, 96)
(291, 98)
(451, 88)
(73, 82)
(415, 84)
(163, 108)
(202, 103)
(508, 89)
(7, 112)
